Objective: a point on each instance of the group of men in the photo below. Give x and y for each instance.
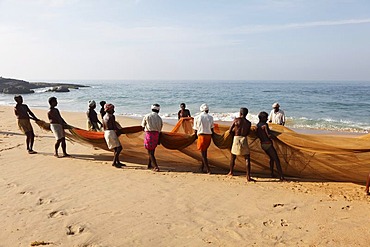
(152, 125)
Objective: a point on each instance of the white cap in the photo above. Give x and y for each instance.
(92, 103)
(154, 107)
(204, 107)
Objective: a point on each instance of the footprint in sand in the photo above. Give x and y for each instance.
(42, 201)
(26, 192)
(268, 223)
(283, 222)
(348, 207)
(278, 205)
(74, 230)
(11, 185)
(56, 214)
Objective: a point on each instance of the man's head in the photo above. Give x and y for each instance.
(262, 116)
(18, 99)
(243, 112)
(204, 108)
(102, 103)
(276, 106)
(109, 108)
(53, 101)
(182, 106)
(155, 108)
(92, 104)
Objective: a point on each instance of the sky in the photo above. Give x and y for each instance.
(185, 40)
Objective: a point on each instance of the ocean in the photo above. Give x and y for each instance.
(315, 105)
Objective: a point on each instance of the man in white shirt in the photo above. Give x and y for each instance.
(203, 127)
(277, 116)
(152, 125)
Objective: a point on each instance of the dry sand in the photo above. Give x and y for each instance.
(84, 201)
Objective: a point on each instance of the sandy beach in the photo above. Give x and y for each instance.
(84, 201)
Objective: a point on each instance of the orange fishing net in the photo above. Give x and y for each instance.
(320, 157)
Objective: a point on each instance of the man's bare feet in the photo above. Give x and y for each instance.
(156, 169)
(121, 164)
(66, 155)
(250, 180)
(116, 165)
(150, 166)
(230, 174)
(32, 152)
(56, 155)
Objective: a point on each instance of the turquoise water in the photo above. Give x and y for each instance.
(340, 106)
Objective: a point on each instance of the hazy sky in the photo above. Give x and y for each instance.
(158, 39)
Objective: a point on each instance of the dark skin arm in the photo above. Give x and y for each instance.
(32, 116)
(266, 131)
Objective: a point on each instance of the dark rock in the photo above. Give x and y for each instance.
(14, 86)
(59, 89)
(17, 90)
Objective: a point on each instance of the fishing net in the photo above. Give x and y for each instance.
(317, 157)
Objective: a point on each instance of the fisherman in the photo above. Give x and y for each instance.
(102, 111)
(241, 127)
(277, 116)
(183, 112)
(203, 128)
(111, 132)
(92, 117)
(263, 133)
(24, 114)
(152, 125)
(57, 125)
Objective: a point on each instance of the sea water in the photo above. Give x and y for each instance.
(318, 105)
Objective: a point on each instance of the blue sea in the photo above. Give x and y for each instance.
(316, 105)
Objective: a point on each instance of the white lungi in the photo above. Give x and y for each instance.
(57, 130)
(111, 139)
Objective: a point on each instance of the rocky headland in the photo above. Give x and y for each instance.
(15, 86)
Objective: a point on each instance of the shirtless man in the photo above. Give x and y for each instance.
(367, 185)
(263, 133)
(24, 114)
(110, 134)
(183, 112)
(57, 125)
(102, 112)
(241, 127)
(92, 117)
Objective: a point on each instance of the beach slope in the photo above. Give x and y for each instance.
(84, 201)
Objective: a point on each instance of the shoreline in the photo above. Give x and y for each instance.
(172, 121)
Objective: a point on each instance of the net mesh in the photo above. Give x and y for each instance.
(318, 157)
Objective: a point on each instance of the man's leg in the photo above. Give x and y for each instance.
(205, 161)
(153, 159)
(28, 140)
(56, 147)
(232, 164)
(64, 147)
(275, 158)
(116, 154)
(248, 168)
(32, 140)
(367, 184)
